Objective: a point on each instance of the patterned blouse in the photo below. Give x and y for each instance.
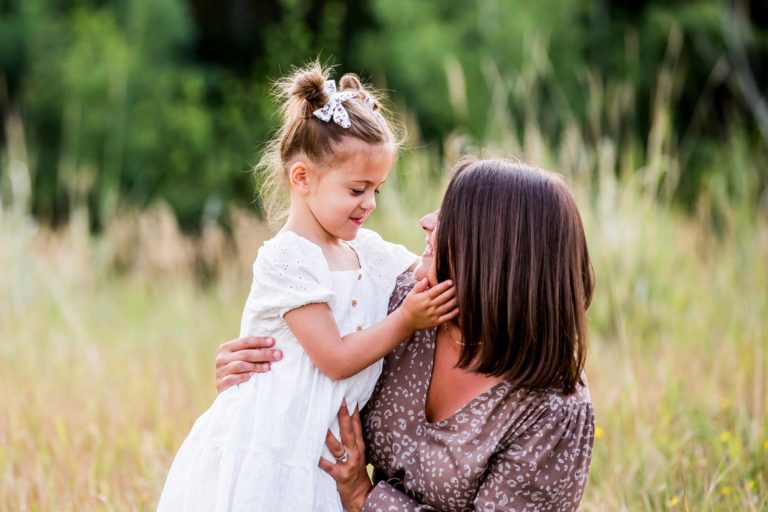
(507, 449)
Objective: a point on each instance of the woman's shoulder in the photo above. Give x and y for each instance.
(403, 285)
(554, 400)
(533, 412)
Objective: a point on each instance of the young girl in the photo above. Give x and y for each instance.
(320, 288)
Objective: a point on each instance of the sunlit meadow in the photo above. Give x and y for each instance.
(107, 341)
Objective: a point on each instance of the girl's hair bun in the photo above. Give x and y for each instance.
(350, 81)
(306, 85)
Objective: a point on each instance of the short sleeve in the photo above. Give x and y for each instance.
(290, 272)
(385, 260)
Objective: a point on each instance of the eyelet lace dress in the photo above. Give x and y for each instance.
(257, 447)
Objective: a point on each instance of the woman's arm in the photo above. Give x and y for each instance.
(339, 358)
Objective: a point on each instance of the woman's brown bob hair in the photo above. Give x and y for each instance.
(511, 238)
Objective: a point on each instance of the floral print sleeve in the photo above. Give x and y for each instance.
(545, 469)
(385, 498)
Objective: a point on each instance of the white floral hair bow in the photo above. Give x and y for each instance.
(334, 108)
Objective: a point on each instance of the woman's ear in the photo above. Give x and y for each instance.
(300, 176)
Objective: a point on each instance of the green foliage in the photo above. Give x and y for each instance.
(122, 101)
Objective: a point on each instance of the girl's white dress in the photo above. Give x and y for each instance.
(258, 446)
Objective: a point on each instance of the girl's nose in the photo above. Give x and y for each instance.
(369, 203)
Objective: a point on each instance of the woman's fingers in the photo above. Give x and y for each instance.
(246, 342)
(329, 467)
(334, 445)
(231, 380)
(357, 427)
(346, 428)
(259, 355)
(237, 366)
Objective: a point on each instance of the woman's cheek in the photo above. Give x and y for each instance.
(419, 273)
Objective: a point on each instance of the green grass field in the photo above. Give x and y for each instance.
(104, 371)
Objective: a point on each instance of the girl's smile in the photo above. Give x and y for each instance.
(331, 201)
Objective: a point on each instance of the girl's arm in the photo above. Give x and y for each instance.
(339, 358)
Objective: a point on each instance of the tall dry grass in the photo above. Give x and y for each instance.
(103, 371)
(107, 342)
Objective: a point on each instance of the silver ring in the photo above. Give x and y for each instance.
(344, 457)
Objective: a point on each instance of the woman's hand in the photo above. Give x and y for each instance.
(237, 360)
(350, 474)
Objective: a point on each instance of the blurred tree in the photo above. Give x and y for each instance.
(133, 100)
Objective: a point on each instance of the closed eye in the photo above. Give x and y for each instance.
(356, 192)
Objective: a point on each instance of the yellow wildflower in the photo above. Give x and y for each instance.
(765, 445)
(673, 501)
(725, 437)
(725, 490)
(751, 485)
(599, 432)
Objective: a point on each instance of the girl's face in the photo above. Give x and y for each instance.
(427, 266)
(343, 194)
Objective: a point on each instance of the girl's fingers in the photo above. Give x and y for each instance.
(448, 316)
(439, 289)
(447, 307)
(420, 286)
(346, 428)
(445, 297)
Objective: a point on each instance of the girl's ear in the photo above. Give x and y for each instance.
(300, 176)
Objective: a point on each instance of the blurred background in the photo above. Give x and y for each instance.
(129, 217)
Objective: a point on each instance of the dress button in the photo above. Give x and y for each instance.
(354, 303)
(359, 327)
(359, 276)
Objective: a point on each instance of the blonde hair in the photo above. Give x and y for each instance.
(300, 94)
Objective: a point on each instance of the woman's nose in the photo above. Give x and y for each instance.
(429, 221)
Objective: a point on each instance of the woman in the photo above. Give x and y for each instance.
(490, 412)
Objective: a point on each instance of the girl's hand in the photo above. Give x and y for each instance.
(351, 476)
(237, 360)
(425, 308)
